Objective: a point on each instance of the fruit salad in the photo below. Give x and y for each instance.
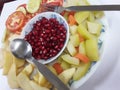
(73, 64)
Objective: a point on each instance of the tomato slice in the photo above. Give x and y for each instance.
(15, 21)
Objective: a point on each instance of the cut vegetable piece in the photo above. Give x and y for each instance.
(36, 77)
(92, 49)
(75, 40)
(52, 69)
(98, 14)
(65, 65)
(33, 6)
(24, 81)
(81, 16)
(83, 32)
(83, 2)
(81, 71)
(94, 28)
(28, 69)
(91, 18)
(71, 60)
(71, 20)
(82, 57)
(42, 80)
(66, 75)
(73, 29)
(22, 9)
(58, 68)
(8, 57)
(71, 49)
(1, 57)
(82, 48)
(35, 86)
(12, 78)
(19, 62)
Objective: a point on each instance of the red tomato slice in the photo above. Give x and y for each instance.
(15, 21)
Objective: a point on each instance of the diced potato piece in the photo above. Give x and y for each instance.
(66, 75)
(8, 60)
(42, 80)
(24, 81)
(28, 69)
(18, 62)
(81, 71)
(36, 77)
(91, 18)
(92, 49)
(71, 60)
(82, 48)
(19, 70)
(48, 85)
(83, 32)
(75, 40)
(12, 78)
(35, 86)
(94, 28)
(73, 29)
(81, 16)
(65, 65)
(52, 69)
(71, 49)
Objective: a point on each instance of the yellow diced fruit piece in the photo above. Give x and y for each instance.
(36, 77)
(98, 14)
(92, 49)
(12, 77)
(84, 23)
(28, 69)
(75, 40)
(35, 86)
(24, 81)
(81, 71)
(82, 48)
(83, 32)
(19, 62)
(91, 18)
(66, 75)
(81, 16)
(71, 49)
(94, 28)
(73, 29)
(8, 60)
(71, 60)
(52, 69)
(65, 65)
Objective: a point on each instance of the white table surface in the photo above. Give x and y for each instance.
(107, 76)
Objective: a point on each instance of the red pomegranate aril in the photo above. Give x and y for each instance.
(46, 38)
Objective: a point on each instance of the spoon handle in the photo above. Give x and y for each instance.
(50, 76)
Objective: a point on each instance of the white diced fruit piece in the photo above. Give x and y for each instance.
(92, 49)
(94, 28)
(73, 29)
(81, 71)
(71, 49)
(81, 16)
(82, 48)
(83, 32)
(71, 60)
(75, 40)
(66, 75)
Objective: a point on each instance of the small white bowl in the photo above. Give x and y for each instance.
(28, 27)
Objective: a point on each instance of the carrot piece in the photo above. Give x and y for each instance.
(71, 20)
(82, 57)
(58, 68)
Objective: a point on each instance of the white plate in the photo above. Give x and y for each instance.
(10, 7)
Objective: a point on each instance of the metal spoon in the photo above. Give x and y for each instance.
(22, 49)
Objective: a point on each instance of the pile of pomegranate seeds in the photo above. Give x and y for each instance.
(46, 38)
